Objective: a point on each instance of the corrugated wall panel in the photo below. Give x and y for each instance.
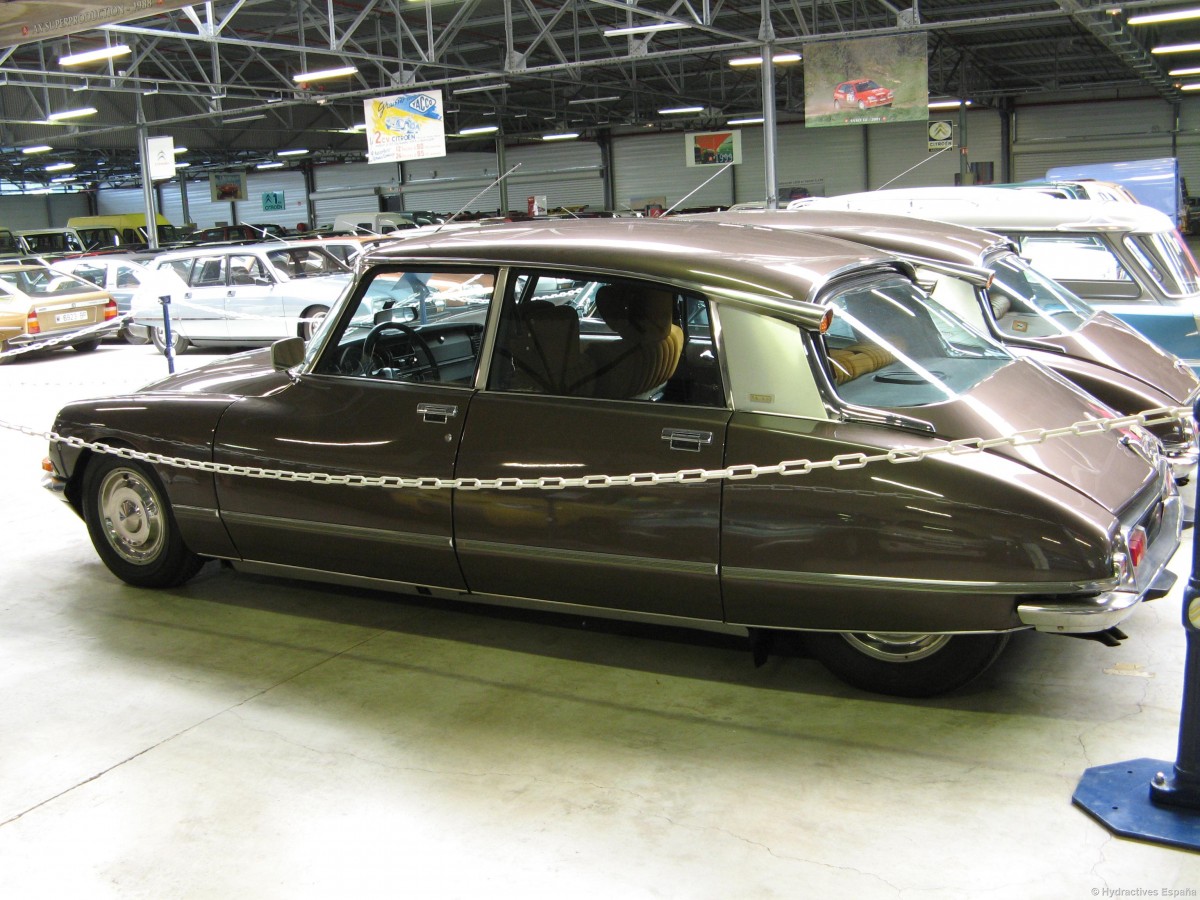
(40, 210)
(351, 187)
(1066, 134)
(826, 161)
(568, 173)
(655, 165)
(448, 184)
(899, 153)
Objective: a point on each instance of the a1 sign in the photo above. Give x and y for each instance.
(941, 134)
(272, 201)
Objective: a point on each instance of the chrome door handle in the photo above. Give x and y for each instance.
(436, 413)
(684, 439)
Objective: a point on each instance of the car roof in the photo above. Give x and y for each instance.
(1000, 208)
(743, 263)
(895, 234)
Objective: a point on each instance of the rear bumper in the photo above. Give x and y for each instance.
(1103, 611)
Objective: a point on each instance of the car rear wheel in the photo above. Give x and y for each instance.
(837, 104)
(86, 346)
(862, 104)
(159, 338)
(906, 665)
(132, 526)
(312, 319)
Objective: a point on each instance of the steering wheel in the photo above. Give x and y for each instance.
(372, 340)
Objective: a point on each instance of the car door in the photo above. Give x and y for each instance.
(558, 404)
(254, 307)
(388, 395)
(200, 313)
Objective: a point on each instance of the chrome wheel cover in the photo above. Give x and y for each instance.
(896, 648)
(133, 519)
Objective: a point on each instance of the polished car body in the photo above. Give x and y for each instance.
(38, 303)
(598, 348)
(1127, 258)
(862, 93)
(980, 277)
(121, 275)
(239, 295)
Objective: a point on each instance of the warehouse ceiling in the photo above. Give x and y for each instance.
(219, 77)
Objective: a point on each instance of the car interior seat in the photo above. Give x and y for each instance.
(545, 350)
(650, 344)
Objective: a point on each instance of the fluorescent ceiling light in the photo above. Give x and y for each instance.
(1175, 48)
(60, 166)
(1154, 18)
(479, 129)
(777, 59)
(645, 29)
(179, 150)
(40, 148)
(320, 74)
(269, 165)
(561, 136)
(1194, 86)
(1195, 70)
(499, 86)
(62, 179)
(680, 110)
(182, 165)
(252, 118)
(946, 104)
(150, 93)
(580, 101)
(753, 120)
(71, 114)
(79, 59)
(296, 152)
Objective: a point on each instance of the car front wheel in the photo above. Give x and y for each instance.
(132, 526)
(159, 337)
(906, 665)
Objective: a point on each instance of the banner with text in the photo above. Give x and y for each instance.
(405, 127)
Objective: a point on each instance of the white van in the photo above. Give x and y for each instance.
(372, 222)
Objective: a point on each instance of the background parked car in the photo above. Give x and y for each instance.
(37, 302)
(121, 275)
(863, 93)
(240, 295)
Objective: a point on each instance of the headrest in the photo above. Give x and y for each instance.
(636, 313)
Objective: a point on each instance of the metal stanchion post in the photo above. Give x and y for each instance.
(165, 300)
(1151, 799)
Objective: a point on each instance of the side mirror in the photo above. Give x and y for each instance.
(287, 353)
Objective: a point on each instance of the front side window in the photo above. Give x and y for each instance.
(1072, 257)
(891, 346)
(412, 325)
(1026, 303)
(246, 268)
(1167, 260)
(569, 335)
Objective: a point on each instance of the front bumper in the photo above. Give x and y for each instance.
(1103, 611)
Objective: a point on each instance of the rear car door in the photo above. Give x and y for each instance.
(569, 394)
(254, 299)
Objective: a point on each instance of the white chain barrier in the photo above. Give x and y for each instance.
(790, 467)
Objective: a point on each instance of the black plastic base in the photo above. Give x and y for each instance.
(1119, 796)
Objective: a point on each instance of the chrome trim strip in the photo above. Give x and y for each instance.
(195, 512)
(354, 532)
(586, 557)
(925, 585)
(298, 572)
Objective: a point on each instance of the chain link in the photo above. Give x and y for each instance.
(786, 468)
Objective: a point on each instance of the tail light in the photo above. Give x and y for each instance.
(31, 324)
(110, 309)
(1137, 546)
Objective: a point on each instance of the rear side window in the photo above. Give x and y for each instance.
(565, 334)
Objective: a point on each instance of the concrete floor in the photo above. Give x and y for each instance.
(246, 737)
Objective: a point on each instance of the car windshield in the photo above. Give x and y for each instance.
(865, 85)
(306, 262)
(890, 345)
(42, 283)
(1026, 303)
(1167, 260)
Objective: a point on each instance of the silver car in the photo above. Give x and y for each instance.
(239, 296)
